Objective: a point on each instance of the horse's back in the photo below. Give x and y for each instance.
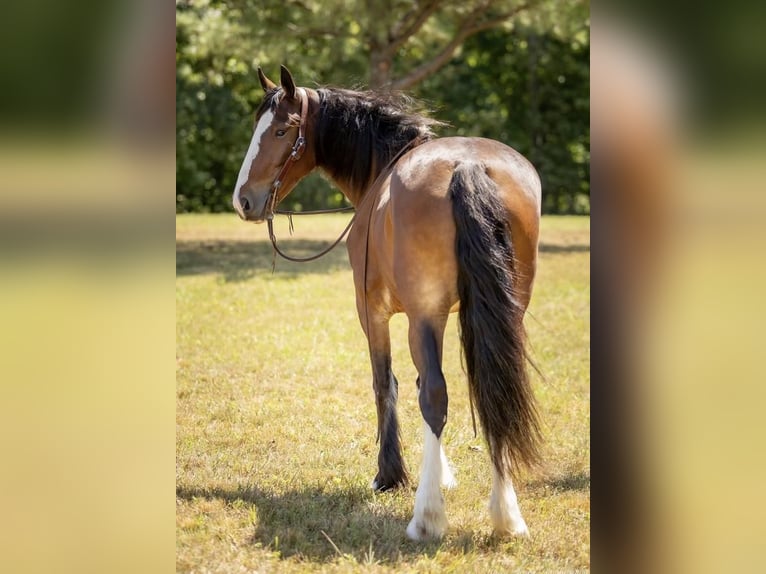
(421, 222)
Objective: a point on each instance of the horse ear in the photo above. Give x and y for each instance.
(266, 84)
(288, 85)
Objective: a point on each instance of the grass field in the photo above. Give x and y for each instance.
(275, 415)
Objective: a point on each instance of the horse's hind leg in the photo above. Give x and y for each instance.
(504, 507)
(503, 504)
(391, 469)
(429, 518)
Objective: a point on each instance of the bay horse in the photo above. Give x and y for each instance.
(441, 225)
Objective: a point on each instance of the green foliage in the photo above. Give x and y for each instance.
(529, 90)
(525, 83)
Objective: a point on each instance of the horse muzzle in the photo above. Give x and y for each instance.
(251, 206)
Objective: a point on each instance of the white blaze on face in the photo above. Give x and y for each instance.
(252, 153)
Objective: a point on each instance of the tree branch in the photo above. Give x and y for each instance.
(472, 25)
(404, 30)
(313, 32)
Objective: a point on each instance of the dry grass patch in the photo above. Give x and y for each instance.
(276, 417)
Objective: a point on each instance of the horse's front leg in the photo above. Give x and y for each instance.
(391, 469)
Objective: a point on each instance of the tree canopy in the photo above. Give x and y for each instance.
(512, 70)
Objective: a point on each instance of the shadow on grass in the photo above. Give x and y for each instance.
(293, 523)
(573, 248)
(564, 483)
(241, 260)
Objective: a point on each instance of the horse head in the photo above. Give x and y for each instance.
(280, 154)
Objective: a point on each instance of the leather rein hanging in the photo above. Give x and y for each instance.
(297, 152)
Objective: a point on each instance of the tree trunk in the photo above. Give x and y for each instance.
(378, 41)
(380, 69)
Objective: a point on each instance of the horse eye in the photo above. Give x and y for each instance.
(281, 133)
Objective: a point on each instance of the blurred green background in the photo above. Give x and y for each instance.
(509, 70)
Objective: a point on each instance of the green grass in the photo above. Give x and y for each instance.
(276, 418)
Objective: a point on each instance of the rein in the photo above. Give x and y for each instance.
(290, 213)
(325, 251)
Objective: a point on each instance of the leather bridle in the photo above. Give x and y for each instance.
(297, 152)
(271, 202)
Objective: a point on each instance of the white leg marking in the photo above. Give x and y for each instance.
(448, 478)
(504, 508)
(252, 153)
(429, 520)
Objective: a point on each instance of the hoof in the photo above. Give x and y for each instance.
(520, 532)
(505, 529)
(382, 485)
(431, 527)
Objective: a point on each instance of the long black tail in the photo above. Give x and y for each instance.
(491, 326)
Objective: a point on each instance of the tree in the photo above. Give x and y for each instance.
(489, 67)
(530, 90)
(387, 30)
(459, 20)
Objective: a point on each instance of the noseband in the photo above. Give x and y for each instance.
(297, 152)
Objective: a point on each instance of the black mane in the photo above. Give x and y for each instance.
(359, 133)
